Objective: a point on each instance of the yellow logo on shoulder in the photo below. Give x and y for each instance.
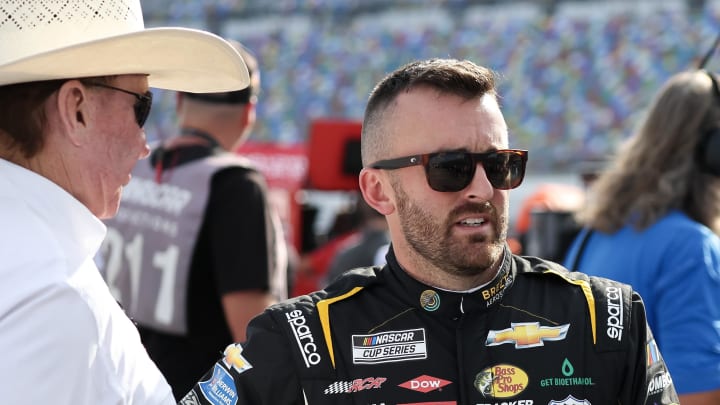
(234, 358)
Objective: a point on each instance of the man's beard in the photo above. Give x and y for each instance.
(432, 237)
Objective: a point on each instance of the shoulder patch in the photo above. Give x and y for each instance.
(613, 313)
(358, 277)
(323, 308)
(608, 303)
(305, 321)
(300, 324)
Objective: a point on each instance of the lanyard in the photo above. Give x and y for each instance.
(185, 134)
(213, 144)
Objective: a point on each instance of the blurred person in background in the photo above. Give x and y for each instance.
(545, 225)
(366, 248)
(196, 250)
(74, 96)
(652, 222)
(320, 250)
(453, 317)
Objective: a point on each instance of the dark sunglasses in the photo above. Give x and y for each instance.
(453, 171)
(141, 106)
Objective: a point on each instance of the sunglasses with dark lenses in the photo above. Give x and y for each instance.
(453, 171)
(142, 104)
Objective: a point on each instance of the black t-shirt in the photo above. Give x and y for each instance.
(228, 256)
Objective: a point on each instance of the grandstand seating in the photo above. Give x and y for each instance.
(573, 83)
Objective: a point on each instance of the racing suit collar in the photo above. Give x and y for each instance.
(450, 304)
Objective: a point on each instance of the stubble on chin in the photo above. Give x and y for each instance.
(472, 258)
(432, 238)
(475, 254)
(434, 241)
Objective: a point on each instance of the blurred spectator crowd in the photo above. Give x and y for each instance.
(573, 82)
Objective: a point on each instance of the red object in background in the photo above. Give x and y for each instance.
(330, 161)
(314, 265)
(549, 197)
(285, 169)
(333, 165)
(284, 165)
(334, 155)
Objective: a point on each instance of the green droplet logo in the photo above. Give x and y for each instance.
(567, 368)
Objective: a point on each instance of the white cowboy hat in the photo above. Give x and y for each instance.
(50, 39)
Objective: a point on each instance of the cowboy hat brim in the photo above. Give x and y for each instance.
(180, 59)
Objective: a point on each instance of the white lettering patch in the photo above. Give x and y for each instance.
(303, 337)
(390, 346)
(220, 388)
(164, 197)
(659, 383)
(615, 312)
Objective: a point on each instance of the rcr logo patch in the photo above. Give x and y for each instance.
(360, 384)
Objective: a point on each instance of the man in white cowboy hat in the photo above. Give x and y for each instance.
(74, 79)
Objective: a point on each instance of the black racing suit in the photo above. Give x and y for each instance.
(536, 334)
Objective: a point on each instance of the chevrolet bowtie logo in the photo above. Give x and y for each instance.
(234, 358)
(526, 334)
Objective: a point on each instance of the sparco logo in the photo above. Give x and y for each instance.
(304, 338)
(615, 312)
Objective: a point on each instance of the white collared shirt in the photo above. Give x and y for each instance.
(63, 337)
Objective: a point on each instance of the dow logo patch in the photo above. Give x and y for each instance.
(425, 383)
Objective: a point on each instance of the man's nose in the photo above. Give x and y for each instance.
(479, 187)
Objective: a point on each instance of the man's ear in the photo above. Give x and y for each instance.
(248, 116)
(179, 100)
(376, 190)
(73, 110)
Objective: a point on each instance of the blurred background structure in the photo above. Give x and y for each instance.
(575, 75)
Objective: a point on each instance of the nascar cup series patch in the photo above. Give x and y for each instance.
(384, 347)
